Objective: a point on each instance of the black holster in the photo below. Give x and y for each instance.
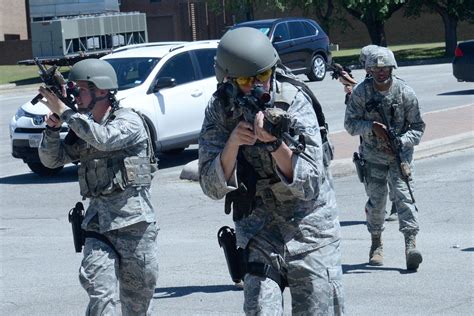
(359, 163)
(76, 216)
(237, 264)
(234, 256)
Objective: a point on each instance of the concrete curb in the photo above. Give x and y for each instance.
(345, 167)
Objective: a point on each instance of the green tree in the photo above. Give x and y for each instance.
(326, 12)
(374, 14)
(451, 11)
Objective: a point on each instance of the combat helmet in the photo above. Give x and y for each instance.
(365, 52)
(381, 57)
(97, 71)
(244, 52)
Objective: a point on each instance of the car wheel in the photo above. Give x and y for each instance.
(40, 169)
(318, 68)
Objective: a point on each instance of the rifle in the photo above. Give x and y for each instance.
(55, 82)
(276, 121)
(395, 144)
(337, 70)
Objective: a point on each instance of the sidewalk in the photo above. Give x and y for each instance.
(446, 130)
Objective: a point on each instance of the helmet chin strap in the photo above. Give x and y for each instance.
(94, 100)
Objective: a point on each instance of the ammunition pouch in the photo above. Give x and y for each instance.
(328, 152)
(102, 176)
(237, 261)
(360, 166)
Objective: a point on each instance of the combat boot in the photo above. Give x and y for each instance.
(376, 251)
(413, 255)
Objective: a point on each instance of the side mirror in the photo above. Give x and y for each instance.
(277, 38)
(161, 83)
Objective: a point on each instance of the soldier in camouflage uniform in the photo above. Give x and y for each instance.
(292, 229)
(120, 265)
(400, 105)
(349, 85)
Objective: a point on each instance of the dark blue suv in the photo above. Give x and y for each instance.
(301, 43)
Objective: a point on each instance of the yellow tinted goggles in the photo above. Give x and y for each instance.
(247, 81)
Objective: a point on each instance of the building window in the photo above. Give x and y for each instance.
(12, 37)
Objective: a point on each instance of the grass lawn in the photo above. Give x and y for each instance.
(22, 74)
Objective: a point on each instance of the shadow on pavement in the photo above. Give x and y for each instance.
(351, 223)
(171, 292)
(460, 92)
(68, 174)
(468, 249)
(365, 268)
(177, 159)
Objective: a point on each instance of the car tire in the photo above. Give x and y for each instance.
(318, 68)
(41, 170)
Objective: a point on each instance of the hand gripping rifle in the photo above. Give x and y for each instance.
(55, 82)
(395, 144)
(337, 70)
(276, 121)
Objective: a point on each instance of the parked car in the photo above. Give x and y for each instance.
(170, 83)
(463, 62)
(301, 43)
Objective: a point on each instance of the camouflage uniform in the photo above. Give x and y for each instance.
(121, 212)
(401, 107)
(294, 227)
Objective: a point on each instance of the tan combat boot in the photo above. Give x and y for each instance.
(413, 255)
(376, 251)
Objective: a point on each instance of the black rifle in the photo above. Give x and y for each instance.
(395, 144)
(276, 121)
(56, 83)
(337, 70)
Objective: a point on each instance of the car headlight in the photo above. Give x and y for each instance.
(19, 113)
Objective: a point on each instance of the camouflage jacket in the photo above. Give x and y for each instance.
(303, 211)
(120, 134)
(401, 108)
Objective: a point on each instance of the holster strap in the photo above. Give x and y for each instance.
(91, 234)
(266, 270)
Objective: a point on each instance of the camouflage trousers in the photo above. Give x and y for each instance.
(377, 176)
(314, 279)
(128, 281)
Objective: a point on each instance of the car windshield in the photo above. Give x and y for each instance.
(264, 28)
(132, 72)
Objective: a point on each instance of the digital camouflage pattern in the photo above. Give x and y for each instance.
(290, 221)
(121, 212)
(122, 136)
(402, 110)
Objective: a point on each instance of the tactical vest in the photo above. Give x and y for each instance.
(105, 172)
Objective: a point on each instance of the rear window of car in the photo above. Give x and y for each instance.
(264, 28)
(205, 59)
(179, 67)
(299, 29)
(281, 31)
(132, 72)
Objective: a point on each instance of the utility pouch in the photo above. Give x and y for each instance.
(360, 166)
(234, 256)
(76, 216)
(138, 170)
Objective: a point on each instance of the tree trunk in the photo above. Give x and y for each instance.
(450, 36)
(376, 32)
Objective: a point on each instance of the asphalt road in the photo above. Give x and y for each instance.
(38, 266)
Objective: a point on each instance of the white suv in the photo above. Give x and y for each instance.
(169, 82)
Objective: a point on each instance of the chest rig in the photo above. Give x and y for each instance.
(255, 170)
(105, 172)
